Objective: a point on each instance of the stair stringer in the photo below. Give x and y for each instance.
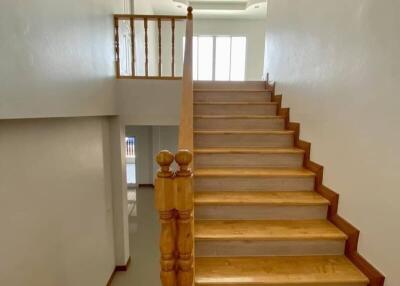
(351, 250)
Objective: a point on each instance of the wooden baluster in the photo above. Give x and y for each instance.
(116, 45)
(128, 144)
(146, 48)
(173, 47)
(159, 46)
(133, 44)
(165, 204)
(184, 207)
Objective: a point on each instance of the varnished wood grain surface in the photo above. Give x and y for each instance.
(248, 150)
(234, 103)
(239, 116)
(253, 172)
(229, 90)
(186, 111)
(267, 230)
(303, 270)
(283, 198)
(255, 132)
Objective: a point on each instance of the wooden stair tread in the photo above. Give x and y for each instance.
(295, 198)
(245, 132)
(253, 172)
(267, 230)
(248, 150)
(229, 90)
(238, 117)
(235, 103)
(278, 270)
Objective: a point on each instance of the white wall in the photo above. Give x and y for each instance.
(119, 189)
(338, 66)
(57, 58)
(56, 205)
(149, 102)
(253, 30)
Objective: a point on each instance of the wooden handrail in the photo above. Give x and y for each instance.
(149, 17)
(186, 115)
(174, 190)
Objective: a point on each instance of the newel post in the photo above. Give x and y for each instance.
(184, 207)
(165, 204)
(189, 12)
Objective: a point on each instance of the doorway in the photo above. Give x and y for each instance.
(130, 162)
(130, 157)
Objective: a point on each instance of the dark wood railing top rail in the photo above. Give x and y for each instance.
(129, 70)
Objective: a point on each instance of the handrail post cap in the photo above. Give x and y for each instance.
(165, 158)
(183, 157)
(189, 10)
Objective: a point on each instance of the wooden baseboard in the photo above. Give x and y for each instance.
(146, 185)
(119, 268)
(375, 277)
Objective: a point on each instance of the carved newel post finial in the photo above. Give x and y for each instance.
(183, 158)
(164, 159)
(165, 204)
(184, 206)
(189, 10)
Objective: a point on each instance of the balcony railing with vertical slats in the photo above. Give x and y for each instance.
(146, 46)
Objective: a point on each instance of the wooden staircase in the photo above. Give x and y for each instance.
(258, 220)
(245, 205)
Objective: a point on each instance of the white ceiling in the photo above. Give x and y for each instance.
(226, 9)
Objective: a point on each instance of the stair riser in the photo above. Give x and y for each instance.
(259, 85)
(235, 109)
(239, 124)
(293, 160)
(254, 183)
(241, 140)
(222, 248)
(232, 96)
(263, 212)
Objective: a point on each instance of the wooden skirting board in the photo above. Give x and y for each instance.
(119, 268)
(146, 185)
(376, 278)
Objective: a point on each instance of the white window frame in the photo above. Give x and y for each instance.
(214, 37)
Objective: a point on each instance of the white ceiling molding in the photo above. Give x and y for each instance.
(228, 5)
(212, 9)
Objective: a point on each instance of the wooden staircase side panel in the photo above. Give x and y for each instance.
(375, 277)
